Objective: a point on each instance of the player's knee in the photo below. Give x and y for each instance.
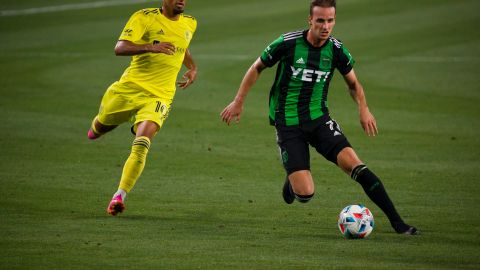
(302, 185)
(304, 188)
(303, 191)
(304, 198)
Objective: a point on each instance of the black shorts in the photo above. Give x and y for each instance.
(324, 134)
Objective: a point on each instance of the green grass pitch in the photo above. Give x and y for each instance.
(210, 195)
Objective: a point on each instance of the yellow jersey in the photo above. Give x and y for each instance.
(156, 72)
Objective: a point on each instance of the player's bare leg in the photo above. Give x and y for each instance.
(97, 129)
(133, 166)
(298, 185)
(349, 162)
(147, 129)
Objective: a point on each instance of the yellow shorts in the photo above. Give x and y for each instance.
(120, 104)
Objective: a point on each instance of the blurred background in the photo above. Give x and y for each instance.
(210, 196)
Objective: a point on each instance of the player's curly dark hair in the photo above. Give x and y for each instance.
(322, 3)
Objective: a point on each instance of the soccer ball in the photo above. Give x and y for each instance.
(355, 221)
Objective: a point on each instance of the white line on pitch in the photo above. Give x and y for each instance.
(98, 4)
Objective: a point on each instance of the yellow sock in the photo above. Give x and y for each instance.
(93, 128)
(135, 163)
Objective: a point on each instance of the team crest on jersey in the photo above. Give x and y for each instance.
(325, 62)
(188, 35)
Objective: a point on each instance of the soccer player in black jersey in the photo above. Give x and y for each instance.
(298, 108)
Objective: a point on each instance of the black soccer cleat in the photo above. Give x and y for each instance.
(403, 228)
(412, 231)
(287, 192)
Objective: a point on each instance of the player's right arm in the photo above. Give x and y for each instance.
(126, 47)
(235, 108)
(270, 56)
(130, 40)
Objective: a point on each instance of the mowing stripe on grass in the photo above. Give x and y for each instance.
(211, 57)
(48, 9)
(435, 59)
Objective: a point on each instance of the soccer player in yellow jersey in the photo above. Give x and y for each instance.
(158, 40)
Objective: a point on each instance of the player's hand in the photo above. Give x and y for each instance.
(163, 47)
(188, 78)
(232, 111)
(368, 122)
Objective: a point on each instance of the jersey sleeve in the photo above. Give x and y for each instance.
(135, 27)
(192, 25)
(273, 53)
(345, 61)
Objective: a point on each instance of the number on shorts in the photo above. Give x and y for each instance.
(162, 108)
(334, 126)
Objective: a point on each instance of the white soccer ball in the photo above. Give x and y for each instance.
(355, 221)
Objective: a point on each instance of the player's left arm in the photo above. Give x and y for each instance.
(191, 74)
(367, 119)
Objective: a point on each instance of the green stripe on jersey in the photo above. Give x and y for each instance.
(296, 84)
(299, 92)
(275, 95)
(325, 64)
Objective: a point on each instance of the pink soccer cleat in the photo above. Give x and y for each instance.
(116, 205)
(91, 135)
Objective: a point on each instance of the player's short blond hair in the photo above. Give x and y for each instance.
(322, 3)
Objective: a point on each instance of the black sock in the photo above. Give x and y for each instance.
(373, 187)
(304, 198)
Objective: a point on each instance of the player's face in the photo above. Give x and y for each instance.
(322, 22)
(176, 6)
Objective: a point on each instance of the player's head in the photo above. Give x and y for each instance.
(322, 18)
(174, 6)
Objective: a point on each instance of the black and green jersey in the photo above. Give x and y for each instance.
(299, 93)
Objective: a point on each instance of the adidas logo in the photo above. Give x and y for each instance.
(161, 32)
(300, 61)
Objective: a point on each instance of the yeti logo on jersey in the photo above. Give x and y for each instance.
(307, 75)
